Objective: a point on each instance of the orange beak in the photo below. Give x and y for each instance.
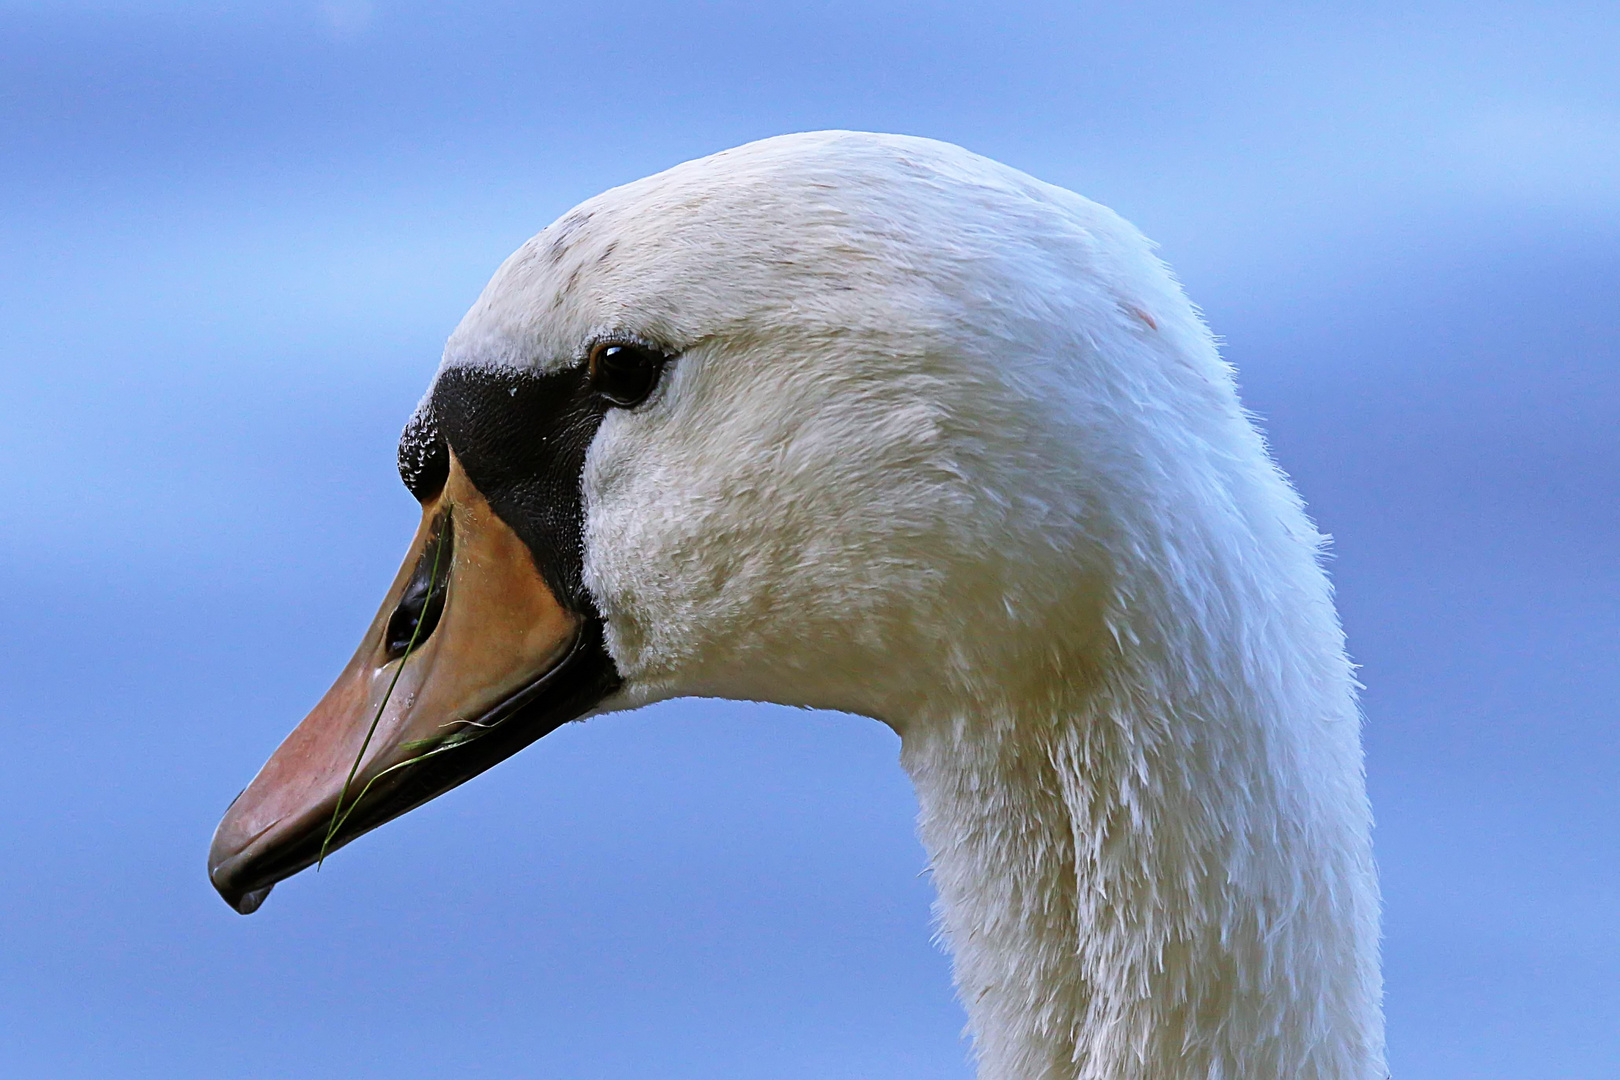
(470, 659)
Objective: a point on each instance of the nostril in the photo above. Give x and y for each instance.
(413, 621)
(422, 602)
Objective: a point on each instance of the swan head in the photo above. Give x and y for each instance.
(833, 420)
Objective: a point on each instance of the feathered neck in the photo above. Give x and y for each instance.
(949, 447)
(1156, 864)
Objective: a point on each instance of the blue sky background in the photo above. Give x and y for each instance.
(233, 238)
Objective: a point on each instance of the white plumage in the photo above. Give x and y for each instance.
(947, 446)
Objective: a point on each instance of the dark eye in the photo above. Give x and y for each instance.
(624, 373)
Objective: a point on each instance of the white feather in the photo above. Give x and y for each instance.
(948, 446)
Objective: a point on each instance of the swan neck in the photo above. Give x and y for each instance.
(1139, 878)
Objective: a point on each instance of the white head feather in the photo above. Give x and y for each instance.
(947, 446)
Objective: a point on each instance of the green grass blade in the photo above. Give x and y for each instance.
(339, 815)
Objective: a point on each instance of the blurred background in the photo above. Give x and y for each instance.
(233, 238)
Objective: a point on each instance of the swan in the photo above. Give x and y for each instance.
(872, 423)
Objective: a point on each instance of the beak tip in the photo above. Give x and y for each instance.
(243, 903)
(249, 902)
(225, 866)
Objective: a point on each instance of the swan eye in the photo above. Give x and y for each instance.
(624, 373)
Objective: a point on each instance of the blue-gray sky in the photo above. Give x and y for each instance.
(232, 240)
